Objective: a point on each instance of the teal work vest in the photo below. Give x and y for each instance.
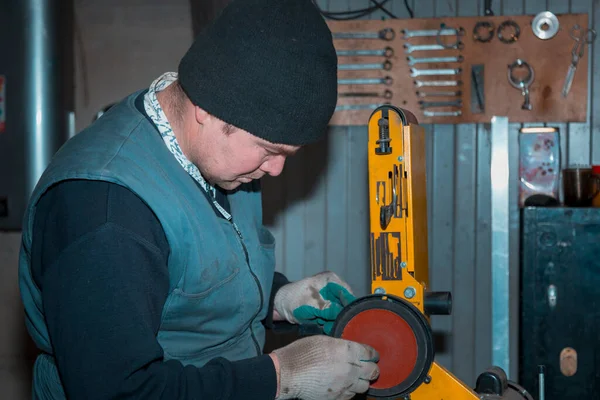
(220, 280)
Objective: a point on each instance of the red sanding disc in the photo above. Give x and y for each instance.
(394, 340)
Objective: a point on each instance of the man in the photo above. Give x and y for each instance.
(145, 269)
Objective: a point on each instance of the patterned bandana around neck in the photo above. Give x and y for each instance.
(157, 115)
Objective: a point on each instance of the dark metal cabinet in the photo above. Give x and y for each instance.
(560, 301)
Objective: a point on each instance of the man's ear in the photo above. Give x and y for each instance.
(201, 115)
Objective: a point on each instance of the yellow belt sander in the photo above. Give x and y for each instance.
(394, 319)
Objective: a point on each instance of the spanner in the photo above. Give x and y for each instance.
(431, 104)
(442, 113)
(387, 52)
(414, 60)
(366, 81)
(356, 107)
(387, 65)
(427, 47)
(407, 34)
(387, 94)
(458, 93)
(414, 72)
(437, 83)
(384, 34)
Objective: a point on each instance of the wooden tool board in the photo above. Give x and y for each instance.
(550, 60)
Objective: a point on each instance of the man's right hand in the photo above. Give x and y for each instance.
(324, 368)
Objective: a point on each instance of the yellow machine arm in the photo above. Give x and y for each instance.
(398, 223)
(398, 206)
(395, 318)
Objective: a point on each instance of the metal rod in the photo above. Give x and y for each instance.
(542, 383)
(500, 178)
(46, 119)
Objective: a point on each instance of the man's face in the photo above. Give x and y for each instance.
(228, 156)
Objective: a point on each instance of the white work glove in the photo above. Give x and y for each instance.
(314, 300)
(324, 368)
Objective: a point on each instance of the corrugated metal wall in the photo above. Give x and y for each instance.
(318, 209)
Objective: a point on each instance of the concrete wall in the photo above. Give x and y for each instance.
(121, 46)
(16, 350)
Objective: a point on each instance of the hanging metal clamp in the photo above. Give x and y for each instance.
(522, 84)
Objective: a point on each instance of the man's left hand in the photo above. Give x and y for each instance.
(314, 300)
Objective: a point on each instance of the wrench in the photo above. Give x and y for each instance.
(366, 81)
(384, 34)
(356, 107)
(387, 94)
(430, 104)
(387, 52)
(442, 113)
(432, 32)
(387, 65)
(428, 47)
(440, 94)
(438, 71)
(413, 60)
(437, 83)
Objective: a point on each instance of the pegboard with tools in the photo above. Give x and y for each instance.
(465, 69)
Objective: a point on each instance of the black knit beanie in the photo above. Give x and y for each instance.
(268, 67)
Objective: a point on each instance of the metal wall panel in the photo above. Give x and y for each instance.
(318, 211)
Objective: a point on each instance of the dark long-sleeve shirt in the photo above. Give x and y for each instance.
(100, 258)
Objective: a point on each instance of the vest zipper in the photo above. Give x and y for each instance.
(259, 286)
